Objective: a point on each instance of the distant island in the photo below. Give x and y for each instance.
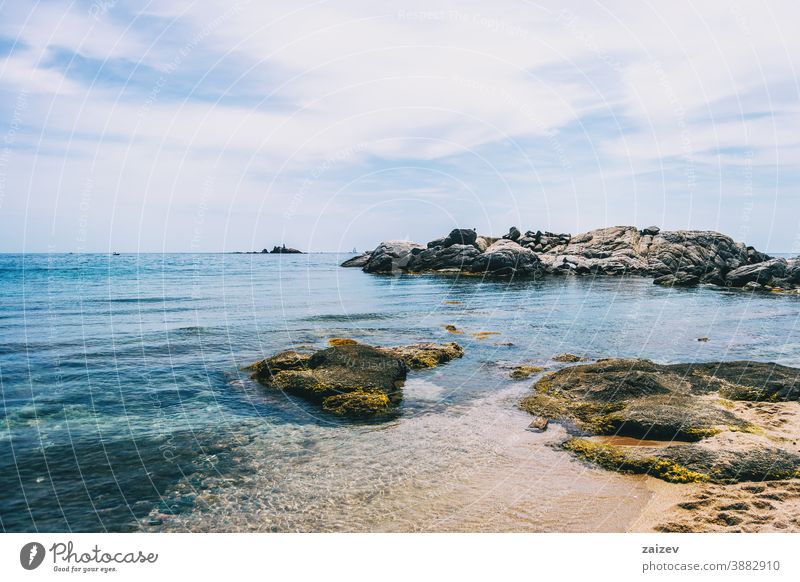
(276, 250)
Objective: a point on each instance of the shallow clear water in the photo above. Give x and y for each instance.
(124, 405)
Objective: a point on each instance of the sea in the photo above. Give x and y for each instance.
(126, 405)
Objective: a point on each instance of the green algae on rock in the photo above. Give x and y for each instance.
(692, 403)
(341, 341)
(615, 458)
(359, 403)
(567, 358)
(425, 355)
(351, 379)
(524, 372)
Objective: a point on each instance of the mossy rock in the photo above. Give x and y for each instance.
(333, 371)
(426, 355)
(288, 360)
(748, 460)
(524, 372)
(691, 404)
(351, 379)
(744, 380)
(341, 341)
(635, 398)
(567, 358)
(357, 404)
(614, 458)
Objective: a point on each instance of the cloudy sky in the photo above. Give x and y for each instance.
(207, 126)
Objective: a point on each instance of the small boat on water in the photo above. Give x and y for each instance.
(115, 254)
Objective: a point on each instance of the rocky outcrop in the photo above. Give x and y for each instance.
(350, 379)
(684, 416)
(672, 258)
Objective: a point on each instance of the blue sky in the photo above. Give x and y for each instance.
(210, 126)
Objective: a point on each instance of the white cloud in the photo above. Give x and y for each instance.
(549, 95)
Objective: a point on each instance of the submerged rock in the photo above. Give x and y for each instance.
(351, 379)
(359, 403)
(686, 406)
(567, 358)
(524, 372)
(677, 280)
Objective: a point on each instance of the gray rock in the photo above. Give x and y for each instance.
(761, 273)
(650, 230)
(456, 256)
(460, 236)
(506, 258)
(513, 234)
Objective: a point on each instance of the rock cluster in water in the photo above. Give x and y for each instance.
(695, 422)
(674, 258)
(351, 379)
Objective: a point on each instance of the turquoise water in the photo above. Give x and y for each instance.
(124, 406)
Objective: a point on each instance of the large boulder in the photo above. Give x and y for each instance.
(391, 256)
(505, 258)
(350, 379)
(483, 242)
(460, 236)
(513, 234)
(684, 414)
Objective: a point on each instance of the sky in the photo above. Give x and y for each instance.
(237, 125)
